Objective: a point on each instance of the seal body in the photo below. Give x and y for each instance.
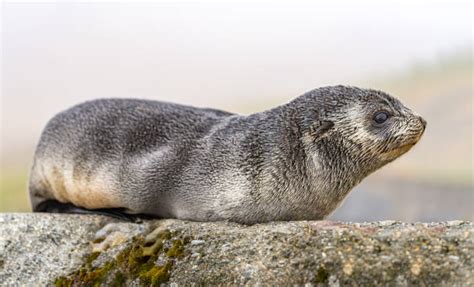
(294, 162)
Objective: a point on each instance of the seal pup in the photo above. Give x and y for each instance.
(294, 162)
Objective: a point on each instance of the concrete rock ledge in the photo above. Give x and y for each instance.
(78, 250)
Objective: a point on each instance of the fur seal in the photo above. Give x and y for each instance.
(294, 162)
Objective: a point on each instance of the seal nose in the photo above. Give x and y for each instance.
(423, 122)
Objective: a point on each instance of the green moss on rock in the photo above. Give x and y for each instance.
(119, 279)
(177, 249)
(321, 275)
(138, 261)
(93, 256)
(156, 274)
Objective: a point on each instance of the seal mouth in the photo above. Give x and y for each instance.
(398, 151)
(405, 147)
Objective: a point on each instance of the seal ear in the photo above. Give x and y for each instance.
(320, 130)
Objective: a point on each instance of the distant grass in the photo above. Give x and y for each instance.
(13, 191)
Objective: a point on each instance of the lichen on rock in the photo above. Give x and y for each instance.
(148, 261)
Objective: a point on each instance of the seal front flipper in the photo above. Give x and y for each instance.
(55, 206)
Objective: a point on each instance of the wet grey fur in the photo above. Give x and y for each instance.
(294, 162)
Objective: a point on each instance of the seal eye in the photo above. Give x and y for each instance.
(380, 117)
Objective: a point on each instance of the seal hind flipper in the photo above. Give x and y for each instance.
(55, 206)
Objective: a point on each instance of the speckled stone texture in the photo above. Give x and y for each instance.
(35, 249)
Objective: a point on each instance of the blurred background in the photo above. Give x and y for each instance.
(246, 57)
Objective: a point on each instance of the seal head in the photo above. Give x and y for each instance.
(350, 132)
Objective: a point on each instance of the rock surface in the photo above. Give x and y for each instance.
(44, 249)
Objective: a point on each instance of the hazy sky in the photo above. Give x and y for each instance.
(221, 55)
